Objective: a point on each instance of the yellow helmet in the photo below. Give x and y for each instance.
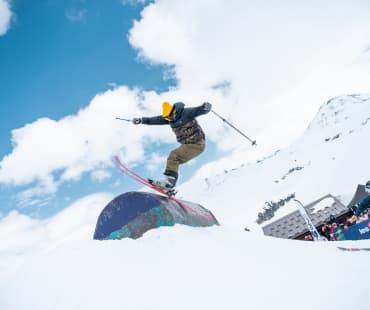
(167, 110)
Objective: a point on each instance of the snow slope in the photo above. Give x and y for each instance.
(330, 157)
(214, 268)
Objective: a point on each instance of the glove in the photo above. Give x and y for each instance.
(207, 106)
(137, 120)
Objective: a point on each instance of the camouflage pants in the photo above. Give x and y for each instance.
(181, 155)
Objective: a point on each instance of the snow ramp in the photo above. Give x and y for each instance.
(132, 214)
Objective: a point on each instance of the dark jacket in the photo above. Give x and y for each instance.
(184, 124)
(365, 203)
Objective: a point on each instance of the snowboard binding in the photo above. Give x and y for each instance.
(170, 191)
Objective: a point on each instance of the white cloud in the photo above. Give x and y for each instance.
(50, 152)
(5, 16)
(38, 195)
(156, 162)
(73, 144)
(282, 60)
(100, 175)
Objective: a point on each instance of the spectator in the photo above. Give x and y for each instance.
(339, 233)
(333, 230)
(363, 217)
(325, 229)
(332, 219)
(347, 225)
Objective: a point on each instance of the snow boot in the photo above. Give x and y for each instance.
(166, 184)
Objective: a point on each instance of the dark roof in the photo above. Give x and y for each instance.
(293, 225)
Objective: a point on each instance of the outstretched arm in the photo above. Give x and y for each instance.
(202, 109)
(155, 120)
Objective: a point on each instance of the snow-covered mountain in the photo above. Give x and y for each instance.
(330, 157)
(221, 267)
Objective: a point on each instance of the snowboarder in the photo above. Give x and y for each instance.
(188, 133)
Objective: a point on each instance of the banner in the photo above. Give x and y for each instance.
(311, 227)
(358, 231)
